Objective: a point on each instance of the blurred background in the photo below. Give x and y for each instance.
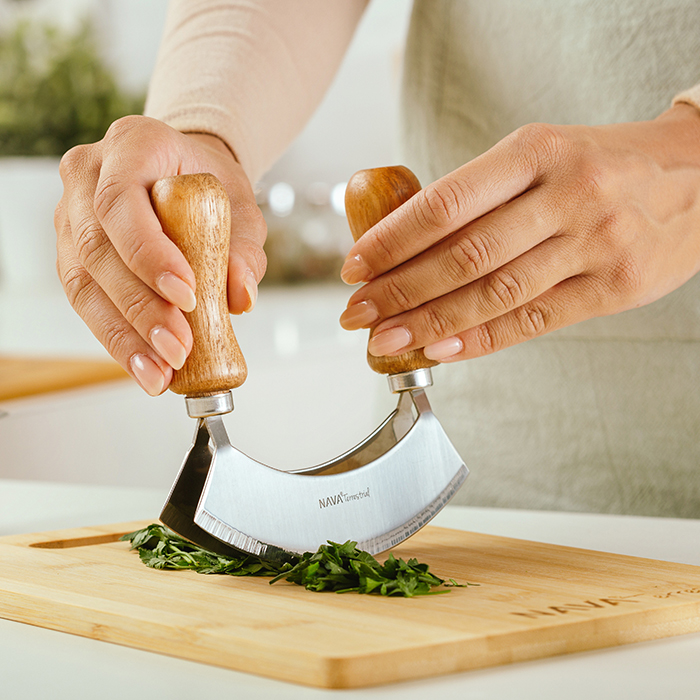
(67, 70)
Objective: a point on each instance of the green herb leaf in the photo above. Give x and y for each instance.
(342, 568)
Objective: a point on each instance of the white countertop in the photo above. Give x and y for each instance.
(37, 663)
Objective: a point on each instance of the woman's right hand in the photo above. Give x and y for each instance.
(121, 273)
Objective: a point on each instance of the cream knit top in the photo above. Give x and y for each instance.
(602, 416)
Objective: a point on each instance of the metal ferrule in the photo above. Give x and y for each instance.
(205, 406)
(415, 379)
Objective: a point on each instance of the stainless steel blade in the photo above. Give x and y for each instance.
(379, 500)
(179, 509)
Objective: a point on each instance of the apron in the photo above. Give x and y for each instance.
(603, 416)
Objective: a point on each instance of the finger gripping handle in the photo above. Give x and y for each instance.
(195, 213)
(370, 196)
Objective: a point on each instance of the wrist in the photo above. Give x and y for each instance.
(681, 133)
(213, 141)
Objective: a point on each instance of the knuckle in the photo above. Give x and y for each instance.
(76, 282)
(533, 320)
(90, 244)
(383, 249)
(253, 238)
(627, 278)
(73, 161)
(257, 224)
(485, 339)
(505, 291)
(438, 324)
(123, 126)
(612, 222)
(135, 250)
(543, 137)
(137, 305)
(251, 214)
(115, 339)
(592, 181)
(107, 195)
(469, 256)
(395, 295)
(545, 142)
(259, 260)
(441, 205)
(616, 230)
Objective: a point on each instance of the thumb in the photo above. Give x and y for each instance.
(247, 261)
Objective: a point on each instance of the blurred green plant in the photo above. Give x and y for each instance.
(56, 90)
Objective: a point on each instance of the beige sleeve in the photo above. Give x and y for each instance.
(690, 96)
(249, 71)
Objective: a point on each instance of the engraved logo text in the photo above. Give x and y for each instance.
(342, 497)
(579, 606)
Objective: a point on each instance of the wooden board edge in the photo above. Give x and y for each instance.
(527, 645)
(360, 671)
(296, 666)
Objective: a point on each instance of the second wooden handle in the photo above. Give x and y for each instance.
(370, 196)
(195, 213)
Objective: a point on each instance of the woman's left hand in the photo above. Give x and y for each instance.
(552, 226)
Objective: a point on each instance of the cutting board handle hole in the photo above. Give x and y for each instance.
(78, 541)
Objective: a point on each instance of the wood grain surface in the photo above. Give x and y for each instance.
(195, 213)
(533, 600)
(370, 196)
(29, 376)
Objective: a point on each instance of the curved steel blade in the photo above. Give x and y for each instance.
(179, 509)
(378, 502)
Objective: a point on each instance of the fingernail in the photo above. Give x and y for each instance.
(168, 346)
(147, 374)
(443, 349)
(177, 291)
(359, 315)
(389, 341)
(251, 286)
(355, 271)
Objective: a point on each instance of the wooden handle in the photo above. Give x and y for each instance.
(370, 196)
(195, 213)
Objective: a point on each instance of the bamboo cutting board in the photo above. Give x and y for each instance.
(28, 376)
(533, 600)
